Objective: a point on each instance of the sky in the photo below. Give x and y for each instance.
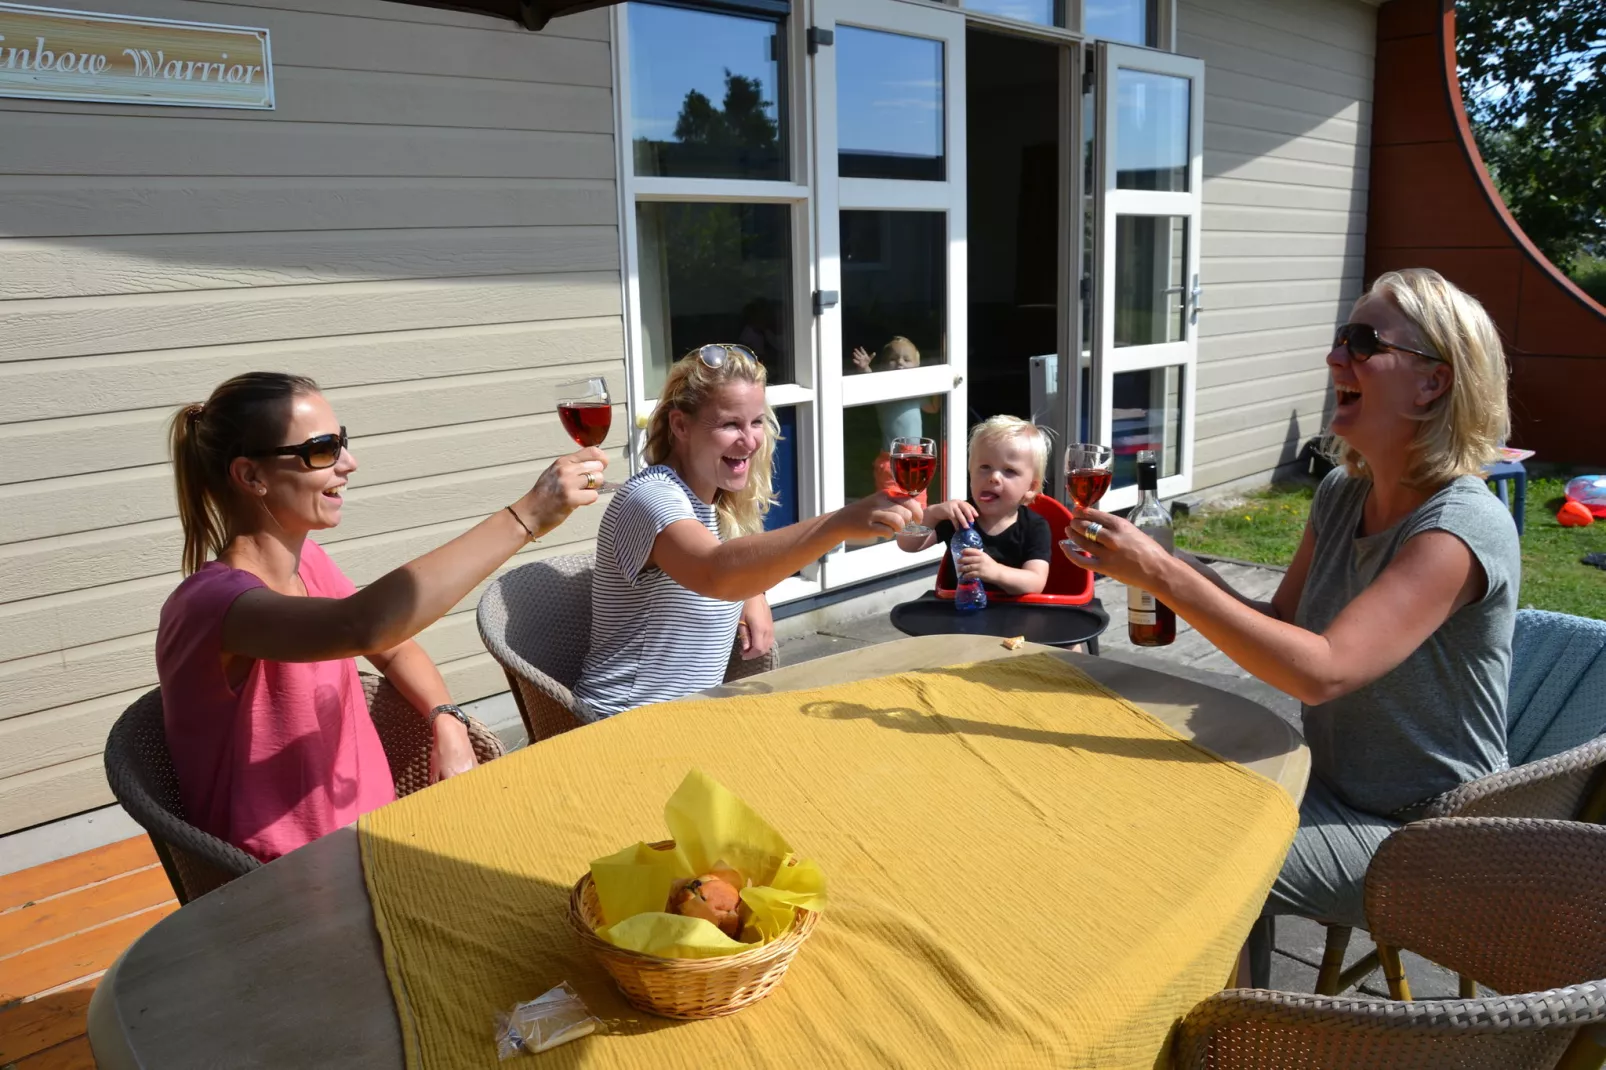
(889, 95)
(673, 51)
(890, 87)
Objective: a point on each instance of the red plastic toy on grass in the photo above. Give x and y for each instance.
(1575, 515)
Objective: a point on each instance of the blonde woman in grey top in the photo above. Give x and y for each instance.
(1393, 624)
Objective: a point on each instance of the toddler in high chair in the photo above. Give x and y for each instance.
(1008, 460)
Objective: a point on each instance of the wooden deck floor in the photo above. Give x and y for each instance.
(61, 925)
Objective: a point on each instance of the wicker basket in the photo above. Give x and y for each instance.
(687, 988)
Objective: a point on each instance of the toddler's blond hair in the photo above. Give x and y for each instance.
(899, 346)
(996, 429)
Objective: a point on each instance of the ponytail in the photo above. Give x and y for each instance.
(245, 415)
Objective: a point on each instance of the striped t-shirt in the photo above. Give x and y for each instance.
(652, 640)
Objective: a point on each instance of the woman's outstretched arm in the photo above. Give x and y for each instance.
(400, 604)
(738, 569)
(1432, 577)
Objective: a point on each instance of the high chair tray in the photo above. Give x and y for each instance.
(1051, 625)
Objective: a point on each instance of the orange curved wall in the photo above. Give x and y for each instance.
(1432, 204)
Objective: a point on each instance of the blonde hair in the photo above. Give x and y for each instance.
(896, 347)
(1464, 428)
(691, 385)
(246, 415)
(1001, 428)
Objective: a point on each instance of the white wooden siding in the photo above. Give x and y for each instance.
(427, 224)
(1288, 100)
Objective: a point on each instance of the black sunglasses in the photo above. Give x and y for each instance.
(319, 451)
(1363, 343)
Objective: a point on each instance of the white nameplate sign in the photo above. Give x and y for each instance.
(51, 54)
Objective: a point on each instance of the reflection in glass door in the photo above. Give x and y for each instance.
(890, 219)
(1146, 305)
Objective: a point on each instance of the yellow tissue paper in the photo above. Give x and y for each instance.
(637, 880)
(711, 828)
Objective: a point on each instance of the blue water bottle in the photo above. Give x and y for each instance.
(969, 594)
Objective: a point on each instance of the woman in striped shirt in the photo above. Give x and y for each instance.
(683, 560)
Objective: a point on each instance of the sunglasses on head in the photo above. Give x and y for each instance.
(319, 451)
(1363, 343)
(715, 356)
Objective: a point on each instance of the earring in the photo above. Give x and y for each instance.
(261, 491)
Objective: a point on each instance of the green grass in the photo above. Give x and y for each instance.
(1552, 577)
(1266, 526)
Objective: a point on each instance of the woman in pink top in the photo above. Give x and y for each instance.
(266, 719)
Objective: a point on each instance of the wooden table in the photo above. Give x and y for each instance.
(283, 966)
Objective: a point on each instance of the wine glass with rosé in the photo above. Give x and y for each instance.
(914, 462)
(1087, 473)
(586, 410)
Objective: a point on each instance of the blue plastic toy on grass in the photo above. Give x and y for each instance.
(1590, 492)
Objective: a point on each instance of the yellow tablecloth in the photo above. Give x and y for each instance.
(1024, 870)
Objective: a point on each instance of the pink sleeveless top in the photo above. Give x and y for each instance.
(289, 756)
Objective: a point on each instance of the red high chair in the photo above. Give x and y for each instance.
(1064, 614)
(1068, 584)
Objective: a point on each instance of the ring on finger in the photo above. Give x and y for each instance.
(1092, 531)
(593, 480)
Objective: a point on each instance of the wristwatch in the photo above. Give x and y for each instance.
(449, 708)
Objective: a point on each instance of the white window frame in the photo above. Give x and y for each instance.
(833, 195)
(1110, 204)
(796, 193)
(1165, 22)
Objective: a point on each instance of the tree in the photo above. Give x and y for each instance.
(743, 123)
(1534, 78)
(739, 139)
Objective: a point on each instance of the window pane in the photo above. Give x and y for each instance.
(889, 105)
(1151, 132)
(1151, 258)
(715, 273)
(1147, 415)
(707, 94)
(1042, 12)
(1132, 21)
(786, 509)
(868, 431)
(894, 290)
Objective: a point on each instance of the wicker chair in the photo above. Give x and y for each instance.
(536, 622)
(1513, 902)
(140, 771)
(1557, 702)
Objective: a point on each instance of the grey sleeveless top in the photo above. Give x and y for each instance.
(1439, 717)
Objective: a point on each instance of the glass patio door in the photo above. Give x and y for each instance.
(890, 324)
(1147, 204)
